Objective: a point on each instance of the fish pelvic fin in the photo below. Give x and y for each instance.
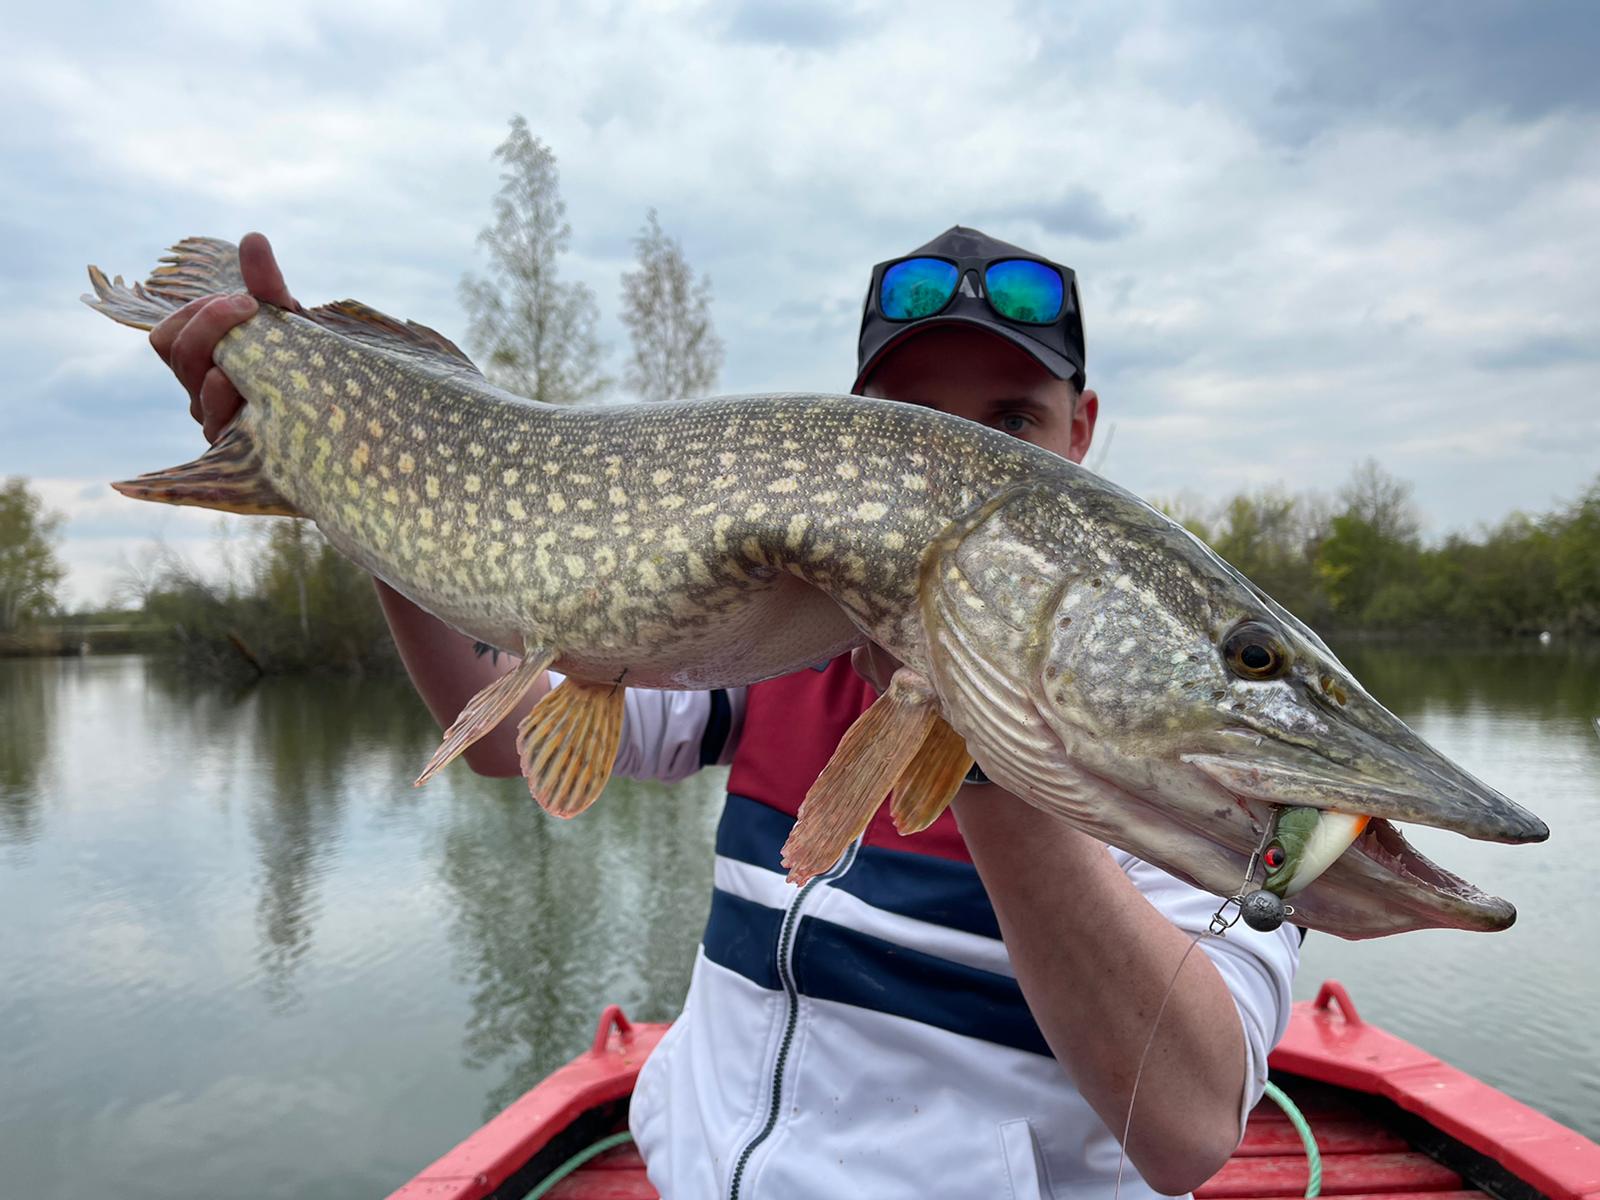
(871, 756)
(486, 710)
(228, 477)
(195, 267)
(926, 787)
(568, 743)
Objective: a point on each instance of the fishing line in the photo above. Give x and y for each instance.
(1261, 910)
(1127, 1125)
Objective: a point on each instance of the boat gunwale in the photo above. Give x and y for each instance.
(1327, 1042)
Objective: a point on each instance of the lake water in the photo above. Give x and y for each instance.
(241, 956)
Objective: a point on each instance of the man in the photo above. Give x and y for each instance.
(958, 1013)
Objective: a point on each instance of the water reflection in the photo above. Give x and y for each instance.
(239, 945)
(28, 700)
(1561, 681)
(557, 918)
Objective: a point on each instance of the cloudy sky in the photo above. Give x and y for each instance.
(1353, 230)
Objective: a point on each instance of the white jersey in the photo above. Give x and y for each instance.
(865, 1035)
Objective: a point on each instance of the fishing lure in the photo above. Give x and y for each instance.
(1305, 842)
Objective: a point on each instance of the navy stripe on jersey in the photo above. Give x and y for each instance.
(835, 962)
(937, 890)
(743, 936)
(753, 833)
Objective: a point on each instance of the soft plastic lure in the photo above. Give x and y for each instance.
(1305, 843)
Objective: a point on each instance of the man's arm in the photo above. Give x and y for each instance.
(447, 671)
(1093, 958)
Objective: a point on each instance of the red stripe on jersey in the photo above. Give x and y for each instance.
(791, 726)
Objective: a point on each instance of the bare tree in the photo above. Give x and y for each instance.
(676, 351)
(534, 334)
(1383, 502)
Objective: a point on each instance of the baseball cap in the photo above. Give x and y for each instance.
(1058, 346)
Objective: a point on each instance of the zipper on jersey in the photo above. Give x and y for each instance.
(791, 1018)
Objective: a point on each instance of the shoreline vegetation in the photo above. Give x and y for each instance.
(1354, 567)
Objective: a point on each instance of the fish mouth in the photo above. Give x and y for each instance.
(1381, 880)
(1411, 883)
(1180, 820)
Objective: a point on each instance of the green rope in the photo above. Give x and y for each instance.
(576, 1161)
(1296, 1118)
(1303, 1128)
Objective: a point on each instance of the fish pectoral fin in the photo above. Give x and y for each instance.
(931, 780)
(869, 758)
(486, 710)
(229, 476)
(569, 742)
(362, 323)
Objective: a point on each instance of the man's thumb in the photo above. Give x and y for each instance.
(260, 270)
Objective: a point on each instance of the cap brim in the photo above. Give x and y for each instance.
(1057, 364)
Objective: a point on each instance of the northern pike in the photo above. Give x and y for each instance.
(1091, 654)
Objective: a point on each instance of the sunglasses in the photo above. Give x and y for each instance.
(1024, 290)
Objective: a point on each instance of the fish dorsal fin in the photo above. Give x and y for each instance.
(195, 267)
(362, 323)
(205, 266)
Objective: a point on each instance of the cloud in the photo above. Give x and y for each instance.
(792, 24)
(1302, 238)
(1541, 350)
(1075, 213)
(1438, 62)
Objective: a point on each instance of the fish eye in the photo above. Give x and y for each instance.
(1253, 651)
(1273, 856)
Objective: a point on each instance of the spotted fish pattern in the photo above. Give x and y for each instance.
(1084, 647)
(700, 544)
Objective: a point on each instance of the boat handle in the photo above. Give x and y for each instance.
(612, 1018)
(1333, 991)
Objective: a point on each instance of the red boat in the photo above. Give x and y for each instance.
(1390, 1121)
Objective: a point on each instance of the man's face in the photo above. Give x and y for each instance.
(969, 373)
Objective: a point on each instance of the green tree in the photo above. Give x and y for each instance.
(1372, 547)
(1576, 553)
(30, 573)
(1265, 534)
(534, 333)
(676, 351)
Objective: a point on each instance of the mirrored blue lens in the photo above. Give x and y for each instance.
(1025, 291)
(916, 288)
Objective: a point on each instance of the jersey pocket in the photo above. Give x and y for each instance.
(1025, 1170)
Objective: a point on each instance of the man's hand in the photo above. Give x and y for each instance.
(188, 338)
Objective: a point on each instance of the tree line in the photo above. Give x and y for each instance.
(1353, 563)
(1357, 563)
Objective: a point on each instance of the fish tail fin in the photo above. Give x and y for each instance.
(228, 477)
(195, 267)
